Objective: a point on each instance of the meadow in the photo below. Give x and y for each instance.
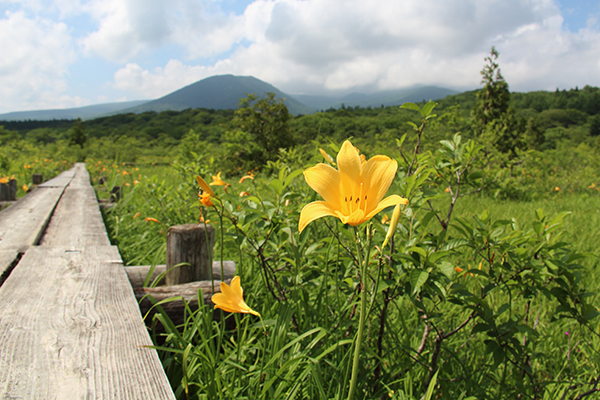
(478, 296)
(483, 286)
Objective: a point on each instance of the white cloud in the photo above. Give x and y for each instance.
(36, 54)
(161, 81)
(297, 45)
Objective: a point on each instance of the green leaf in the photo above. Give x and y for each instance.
(291, 176)
(418, 279)
(411, 106)
(428, 108)
(446, 268)
(431, 386)
(277, 185)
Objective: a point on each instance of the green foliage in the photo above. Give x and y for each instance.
(493, 99)
(466, 303)
(261, 130)
(77, 134)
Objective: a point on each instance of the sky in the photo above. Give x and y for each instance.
(72, 53)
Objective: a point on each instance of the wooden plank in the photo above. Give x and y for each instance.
(137, 275)
(77, 220)
(70, 328)
(23, 223)
(60, 181)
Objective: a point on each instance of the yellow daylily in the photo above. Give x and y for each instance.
(231, 298)
(243, 178)
(207, 192)
(217, 181)
(354, 192)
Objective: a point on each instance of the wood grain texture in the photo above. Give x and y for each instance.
(191, 244)
(22, 224)
(137, 275)
(61, 180)
(77, 220)
(80, 335)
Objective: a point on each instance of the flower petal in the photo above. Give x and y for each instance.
(314, 210)
(236, 287)
(354, 219)
(378, 174)
(349, 166)
(325, 180)
(204, 186)
(385, 203)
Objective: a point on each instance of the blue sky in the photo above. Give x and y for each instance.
(71, 53)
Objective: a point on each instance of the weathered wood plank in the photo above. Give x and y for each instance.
(137, 275)
(22, 224)
(77, 220)
(80, 336)
(62, 180)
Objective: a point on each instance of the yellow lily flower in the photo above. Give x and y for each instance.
(231, 298)
(243, 178)
(217, 181)
(207, 192)
(353, 193)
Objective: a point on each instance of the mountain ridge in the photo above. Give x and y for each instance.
(225, 91)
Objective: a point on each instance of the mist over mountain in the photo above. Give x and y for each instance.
(225, 91)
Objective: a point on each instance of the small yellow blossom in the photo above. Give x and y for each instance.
(243, 193)
(231, 298)
(207, 192)
(217, 181)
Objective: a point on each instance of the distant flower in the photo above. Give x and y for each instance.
(353, 192)
(557, 189)
(243, 178)
(25, 188)
(217, 181)
(206, 194)
(242, 194)
(137, 214)
(231, 298)
(458, 269)
(205, 199)
(125, 173)
(567, 333)
(4, 179)
(152, 220)
(385, 219)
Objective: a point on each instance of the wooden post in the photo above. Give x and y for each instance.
(12, 190)
(37, 179)
(115, 194)
(3, 191)
(192, 244)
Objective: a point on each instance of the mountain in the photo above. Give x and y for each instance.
(225, 91)
(218, 92)
(377, 99)
(88, 112)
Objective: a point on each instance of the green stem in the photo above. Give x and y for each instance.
(363, 264)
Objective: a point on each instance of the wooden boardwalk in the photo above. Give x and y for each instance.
(70, 326)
